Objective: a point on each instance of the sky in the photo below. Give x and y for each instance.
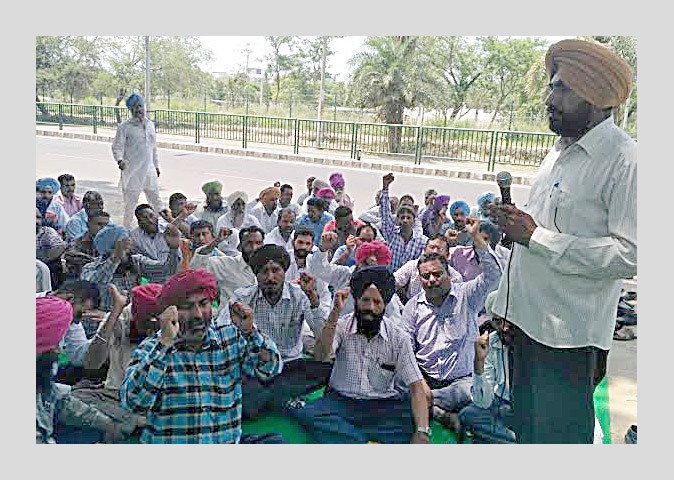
(228, 53)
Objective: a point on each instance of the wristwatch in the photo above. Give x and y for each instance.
(426, 430)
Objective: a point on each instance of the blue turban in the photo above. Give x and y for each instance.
(459, 205)
(48, 182)
(134, 99)
(484, 198)
(104, 241)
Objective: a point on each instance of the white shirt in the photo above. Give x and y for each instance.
(267, 222)
(294, 207)
(136, 144)
(231, 272)
(564, 287)
(227, 221)
(274, 238)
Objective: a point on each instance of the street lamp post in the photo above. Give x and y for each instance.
(147, 77)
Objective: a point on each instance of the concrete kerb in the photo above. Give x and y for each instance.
(372, 165)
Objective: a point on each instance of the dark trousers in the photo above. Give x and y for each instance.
(298, 377)
(335, 418)
(553, 391)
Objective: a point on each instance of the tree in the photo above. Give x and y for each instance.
(280, 62)
(391, 74)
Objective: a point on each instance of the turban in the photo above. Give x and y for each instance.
(377, 248)
(459, 205)
(319, 184)
(379, 276)
(595, 73)
(47, 182)
(439, 201)
(183, 284)
(485, 198)
(104, 241)
(336, 181)
(134, 99)
(489, 303)
(270, 192)
(212, 186)
(326, 194)
(145, 301)
(236, 195)
(52, 319)
(269, 253)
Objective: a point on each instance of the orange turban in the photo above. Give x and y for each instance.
(595, 73)
(270, 192)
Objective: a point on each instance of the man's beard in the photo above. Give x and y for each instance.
(301, 253)
(367, 322)
(570, 125)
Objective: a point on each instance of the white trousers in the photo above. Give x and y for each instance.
(131, 202)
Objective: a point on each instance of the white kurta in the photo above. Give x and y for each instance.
(136, 144)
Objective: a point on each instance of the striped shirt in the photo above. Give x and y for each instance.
(564, 287)
(401, 252)
(443, 337)
(195, 397)
(283, 322)
(368, 369)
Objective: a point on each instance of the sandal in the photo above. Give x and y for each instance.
(624, 334)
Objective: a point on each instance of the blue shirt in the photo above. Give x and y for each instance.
(316, 227)
(401, 252)
(443, 337)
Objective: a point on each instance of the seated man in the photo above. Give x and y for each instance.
(118, 335)
(215, 205)
(69, 200)
(180, 213)
(238, 216)
(308, 193)
(267, 210)
(54, 404)
(435, 221)
(361, 403)
(408, 281)
(49, 247)
(343, 224)
(231, 272)
(489, 415)
(82, 251)
(316, 218)
(49, 207)
(116, 264)
(78, 224)
(285, 200)
(186, 378)
(337, 276)
(283, 232)
(459, 211)
(201, 233)
(346, 254)
(405, 243)
(441, 322)
(280, 308)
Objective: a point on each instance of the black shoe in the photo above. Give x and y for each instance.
(629, 319)
(631, 435)
(629, 296)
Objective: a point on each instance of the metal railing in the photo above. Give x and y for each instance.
(413, 143)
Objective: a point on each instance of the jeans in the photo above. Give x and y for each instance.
(454, 396)
(335, 418)
(298, 377)
(489, 425)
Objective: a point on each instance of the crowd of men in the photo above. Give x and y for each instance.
(241, 304)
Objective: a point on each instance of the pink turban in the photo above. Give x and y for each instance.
(337, 180)
(52, 319)
(326, 194)
(377, 248)
(183, 284)
(145, 301)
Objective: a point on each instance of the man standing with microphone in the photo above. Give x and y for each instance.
(574, 240)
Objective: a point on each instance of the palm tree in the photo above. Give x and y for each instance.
(389, 76)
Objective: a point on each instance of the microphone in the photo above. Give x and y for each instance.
(504, 180)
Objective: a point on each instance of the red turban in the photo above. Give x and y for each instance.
(377, 248)
(181, 285)
(52, 319)
(145, 301)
